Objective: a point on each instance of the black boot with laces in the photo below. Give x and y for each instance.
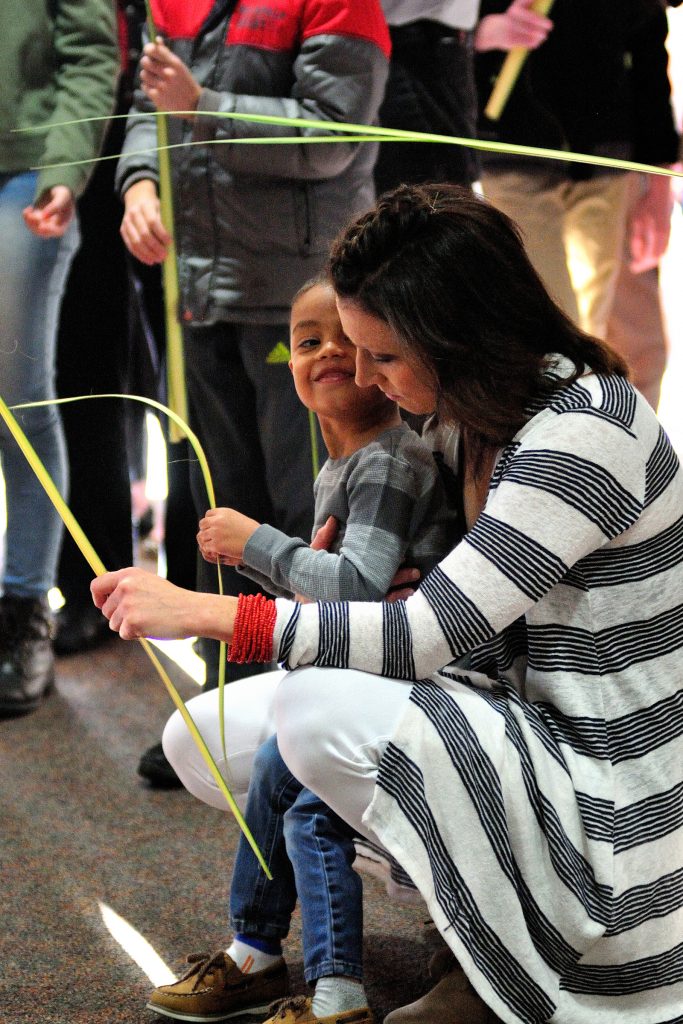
(26, 656)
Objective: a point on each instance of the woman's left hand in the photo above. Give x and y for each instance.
(140, 604)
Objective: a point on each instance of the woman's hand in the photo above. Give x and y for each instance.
(223, 533)
(324, 539)
(140, 604)
(52, 213)
(401, 586)
(142, 229)
(168, 82)
(518, 26)
(325, 535)
(404, 584)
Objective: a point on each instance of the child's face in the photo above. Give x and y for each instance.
(323, 360)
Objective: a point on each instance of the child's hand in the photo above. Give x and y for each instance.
(223, 532)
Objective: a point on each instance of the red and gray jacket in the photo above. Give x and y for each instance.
(253, 222)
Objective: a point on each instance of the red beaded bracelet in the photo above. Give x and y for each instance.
(252, 634)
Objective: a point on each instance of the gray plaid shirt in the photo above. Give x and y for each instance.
(390, 503)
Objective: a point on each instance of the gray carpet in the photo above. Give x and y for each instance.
(79, 831)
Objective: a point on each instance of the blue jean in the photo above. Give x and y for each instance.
(309, 850)
(33, 274)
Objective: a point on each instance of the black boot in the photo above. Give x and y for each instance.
(26, 657)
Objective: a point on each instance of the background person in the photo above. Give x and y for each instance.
(252, 224)
(596, 82)
(431, 88)
(58, 61)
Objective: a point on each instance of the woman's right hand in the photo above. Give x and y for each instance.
(140, 604)
(142, 229)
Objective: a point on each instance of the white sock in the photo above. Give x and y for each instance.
(336, 994)
(249, 958)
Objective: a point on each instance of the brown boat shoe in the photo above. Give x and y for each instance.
(298, 1010)
(214, 989)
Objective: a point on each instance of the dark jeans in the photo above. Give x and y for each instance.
(309, 850)
(92, 358)
(430, 89)
(256, 436)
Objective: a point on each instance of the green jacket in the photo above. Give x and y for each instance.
(58, 61)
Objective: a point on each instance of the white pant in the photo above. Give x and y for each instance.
(332, 725)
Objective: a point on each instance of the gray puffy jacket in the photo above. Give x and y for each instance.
(253, 222)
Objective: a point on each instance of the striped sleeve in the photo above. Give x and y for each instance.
(573, 483)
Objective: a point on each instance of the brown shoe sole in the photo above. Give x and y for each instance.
(259, 1011)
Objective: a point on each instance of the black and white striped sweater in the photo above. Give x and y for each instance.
(534, 789)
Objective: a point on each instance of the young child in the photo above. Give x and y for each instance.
(382, 486)
(380, 483)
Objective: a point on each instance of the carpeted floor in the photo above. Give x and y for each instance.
(105, 880)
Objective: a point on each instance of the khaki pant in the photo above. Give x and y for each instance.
(576, 236)
(636, 330)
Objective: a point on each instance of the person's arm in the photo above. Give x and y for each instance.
(649, 223)
(86, 66)
(138, 603)
(223, 532)
(142, 228)
(137, 181)
(339, 75)
(573, 484)
(656, 142)
(517, 26)
(383, 493)
(51, 214)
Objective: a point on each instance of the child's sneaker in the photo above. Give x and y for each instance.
(298, 1010)
(214, 989)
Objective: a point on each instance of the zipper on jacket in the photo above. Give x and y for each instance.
(307, 213)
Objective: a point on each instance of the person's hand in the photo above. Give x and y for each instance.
(51, 215)
(650, 224)
(166, 81)
(518, 26)
(140, 604)
(142, 229)
(325, 535)
(399, 589)
(323, 541)
(677, 184)
(223, 532)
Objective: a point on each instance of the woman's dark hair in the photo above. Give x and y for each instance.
(448, 273)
